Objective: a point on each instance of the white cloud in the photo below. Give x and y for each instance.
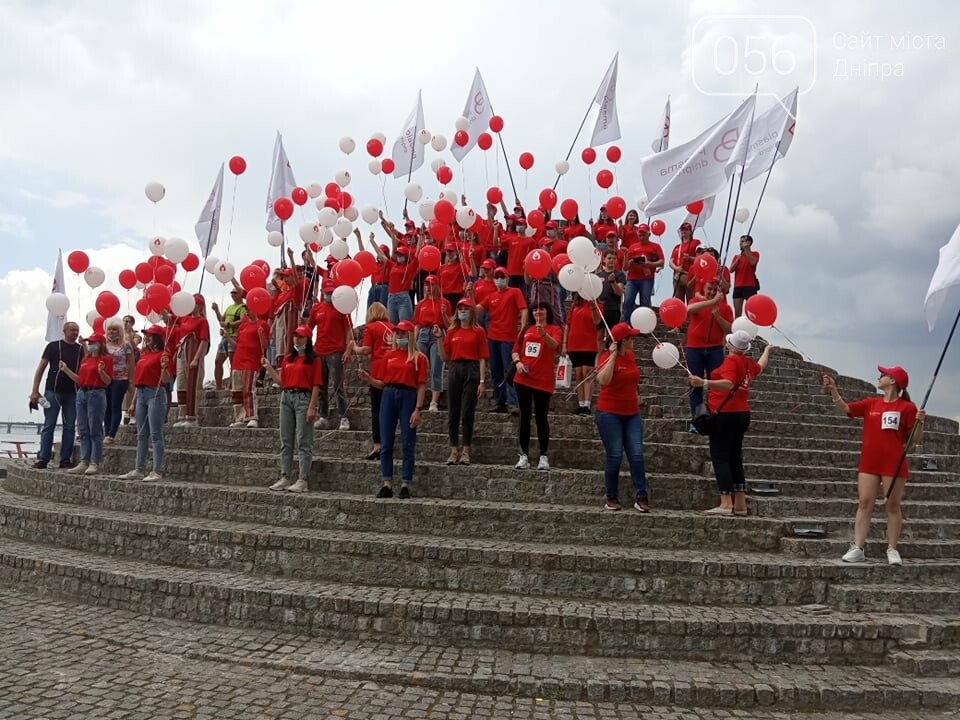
(15, 225)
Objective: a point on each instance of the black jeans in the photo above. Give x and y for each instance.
(375, 396)
(726, 451)
(540, 400)
(463, 378)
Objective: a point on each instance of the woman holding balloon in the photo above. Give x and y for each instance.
(119, 391)
(710, 319)
(430, 318)
(149, 379)
(92, 378)
(580, 346)
(253, 338)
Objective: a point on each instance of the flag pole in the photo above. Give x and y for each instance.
(507, 161)
(576, 137)
(923, 405)
(765, 181)
(728, 240)
(213, 220)
(283, 263)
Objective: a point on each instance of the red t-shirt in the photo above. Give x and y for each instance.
(581, 329)
(685, 248)
(89, 376)
(505, 307)
(430, 312)
(703, 330)
(652, 251)
(572, 230)
(698, 285)
(619, 396)
(452, 278)
(253, 336)
(520, 245)
(628, 235)
(301, 375)
(184, 327)
(379, 274)
(746, 274)
(741, 371)
(398, 369)
(600, 230)
(886, 427)
(400, 277)
(378, 336)
(148, 370)
(482, 289)
(466, 344)
(332, 327)
(539, 358)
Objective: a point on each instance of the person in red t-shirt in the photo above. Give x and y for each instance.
(464, 349)
(534, 357)
(728, 393)
(404, 384)
(602, 227)
(744, 269)
(300, 376)
(580, 346)
(253, 339)
(629, 231)
(681, 259)
(888, 424)
(481, 289)
(92, 378)
(574, 228)
(507, 308)
(378, 280)
(333, 345)
(709, 320)
(644, 259)
(517, 249)
(453, 273)
(401, 272)
(377, 342)
(723, 273)
(191, 337)
(430, 318)
(618, 418)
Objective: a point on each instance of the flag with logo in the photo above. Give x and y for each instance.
(281, 182)
(607, 127)
(662, 141)
(55, 322)
(208, 226)
(946, 276)
(407, 152)
(478, 111)
(771, 136)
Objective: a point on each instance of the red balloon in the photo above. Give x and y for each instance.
(299, 196)
(616, 206)
(156, 261)
(263, 265)
(614, 154)
(387, 166)
(705, 267)
(673, 312)
(346, 200)
(761, 310)
(174, 287)
(444, 211)
(237, 165)
(535, 219)
(78, 261)
(438, 231)
(157, 297)
(331, 190)
(484, 141)
(144, 273)
(461, 138)
(164, 274)
(588, 156)
(560, 261)
(143, 307)
(537, 263)
(367, 262)
(658, 227)
(190, 263)
(444, 175)
(496, 123)
(605, 179)
(349, 272)
(429, 258)
(548, 199)
(314, 247)
(494, 195)
(374, 147)
(252, 277)
(107, 304)
(98, 325)
(333, 202)
(695, 208)
(283, 208)
(569, 209)
(128, 279)
(259, 301)
(526, 160)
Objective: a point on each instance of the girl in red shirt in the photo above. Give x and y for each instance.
(574, 228)
(192, 338)
(464, 349)
(404, 383)
(888, 420)
(253, 338)
(92, 378)
(618, 417)
(430, 317)
(603, 225)
(709, 320)
(681, 260)
(300, 376)
(377, 342)
(728, 393)
(534, 357)
(580, 345)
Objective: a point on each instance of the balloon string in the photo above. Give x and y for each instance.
(680, 361)
(486, 170)
(383, 194)
(233, 204)
(805, 356)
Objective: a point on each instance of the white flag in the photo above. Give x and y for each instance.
(738, 158)
(55, 322)
(775, 125)
(408, 153)
(607, 128)
(208, 226)
(698, 220)
(696, 169)
(945, 277)
(478, 111)
(281, 182)
(662, 141)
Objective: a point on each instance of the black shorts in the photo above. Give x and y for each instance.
(582, 358)
(744, 292)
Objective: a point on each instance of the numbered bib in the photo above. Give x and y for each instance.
(890, 420)
(532, 349)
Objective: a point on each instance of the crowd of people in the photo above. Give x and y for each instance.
(476, 326)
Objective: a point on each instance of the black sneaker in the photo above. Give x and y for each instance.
(39, 465)
(66, 465)
(385, 492)
(404, 492)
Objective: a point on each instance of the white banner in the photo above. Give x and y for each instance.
(281, 182)
(208, 226)
(408, 153)
(607, 128)
(775, 125)
(478, 111)
(55, 322)
(944, 277)
(662, 141)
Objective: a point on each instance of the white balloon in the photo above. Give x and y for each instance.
(275, 237)
(339, 249)
(351, 214)
(562, 167)
(571, 277)
(182, 303)
(743, 323)
(342, 228)
(742, 215)
(94, 277)
(327, 217)
(157, 245)
(451, 197)
(342, 178)
(413, 192)
(326, 237)
(314, 189)
(666, 355)
(224, 272)
(92, 316)
(374, 166)
(154, 317)
(370, 214)
(321, 201)
(424, 136)
(176, 249)
(381, 137)
(141, 286)
(155, 191)
(426, 210)
(642, 203)
(644, 319)
(580, 250)
(462, 123)
(466, 217)
(58, 303)
(345, 299)
(530, 231)
(437, 163)
(591, 287)
(211, 263)
(438, 143)
(347, 145)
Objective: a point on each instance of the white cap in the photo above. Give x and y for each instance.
(739, 339)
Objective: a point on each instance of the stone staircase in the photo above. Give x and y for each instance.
(523, 575)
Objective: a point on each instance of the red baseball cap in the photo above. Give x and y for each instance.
(465, 302)
(384, 249)
(432, 280)
(551, 225)
(96, 338)
(488, 264)
(331, 260)
(897, 374)
(643, 227)
(623, 330)
(154, 330)
(302, 331)
(449, 245)
(501, 271)
(409, 223)
(611, 233)
(198, 299)
(686, 226)
(328, 285)
(404, 326)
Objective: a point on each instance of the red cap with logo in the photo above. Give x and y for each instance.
(302, 331)
(404, 326)
(897, 374)
(623, 330)
(488, 264)
(328, 285)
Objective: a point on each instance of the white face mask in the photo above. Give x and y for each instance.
(463, 315)
(501, 283)
(300, 348)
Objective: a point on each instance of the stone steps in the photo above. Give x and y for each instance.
(779, 472)
(834, 547)
(913, 528)
(805, 507)
(846, 489)
(928, 663)
(894, 598)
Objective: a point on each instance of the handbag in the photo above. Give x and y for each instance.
(704, 420)
(563, 374)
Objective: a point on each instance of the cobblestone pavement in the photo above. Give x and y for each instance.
(64, 660)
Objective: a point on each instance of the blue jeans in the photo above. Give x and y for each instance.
(399, 307)
(619, 433)
(397, 405)
(91, 408)
(377, 293)
(500, 352)
(151, 411)
(65, 403)
(639, 293)
(430, 346)
(295, 431)
(116, 391)
(702, 362)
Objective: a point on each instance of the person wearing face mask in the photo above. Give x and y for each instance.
(644, 260)
(518, 245)
(481, 289)
(119, 391)
(710, 319)
(464, 348)
(614, 284)
(681, 260)
(580, 345)
(92, 379)
(404, 384)
(401, 272)
(744, 269)
(191, 337)
(59, 395)
(333, 345)
(453, 273)
(149, 377)
(431, 316)
(300, 376)
(507, 309)
(253, 339)
(378, 280)
(377, 342)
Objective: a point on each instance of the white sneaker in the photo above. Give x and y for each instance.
(188, 422)
(434, 407)
(238, 424)
(523, 463)
(321, 424)
(282, 484)
(93, 469)
(854, 555)
(181, 423)
(544, 464)
(153, 476)
(132, 475)
(344, 423)
(893, 556)
(300, 486)
(78, 469)
(253, 423)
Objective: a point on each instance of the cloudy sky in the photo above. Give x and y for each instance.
(99, 99)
